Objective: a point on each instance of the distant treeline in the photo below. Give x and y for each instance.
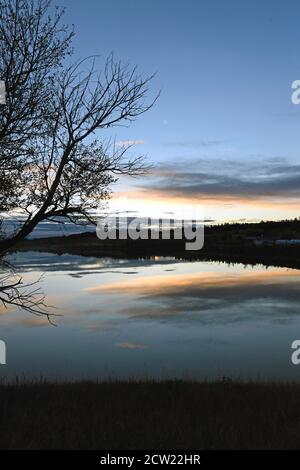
(227, 243)
(285, 229)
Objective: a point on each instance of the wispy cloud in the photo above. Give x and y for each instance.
(128, 143)
(131, 346)
(193, 144)
(209, 295)
(274, 177)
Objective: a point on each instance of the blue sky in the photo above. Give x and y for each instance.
(224, 131)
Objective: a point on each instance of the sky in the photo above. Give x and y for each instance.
(224, 132)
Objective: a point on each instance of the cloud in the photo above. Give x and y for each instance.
(129, 143)
(34, 322)
(193, 144)
(195, 283)
(131, 346)
(227, 178)
(208, 297)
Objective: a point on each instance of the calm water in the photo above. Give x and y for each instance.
(154, 318)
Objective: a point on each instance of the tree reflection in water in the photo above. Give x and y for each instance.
(26, 296)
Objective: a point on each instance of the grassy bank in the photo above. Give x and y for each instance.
(150, 415)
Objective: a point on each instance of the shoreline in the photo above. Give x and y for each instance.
(87, 244)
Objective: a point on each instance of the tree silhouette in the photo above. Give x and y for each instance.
(16, 293)
(52, 162)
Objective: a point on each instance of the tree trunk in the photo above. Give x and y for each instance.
(9, 243)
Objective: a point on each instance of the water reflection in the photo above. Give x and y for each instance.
(157, 317)
(16, 293)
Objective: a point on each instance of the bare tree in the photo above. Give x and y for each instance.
(62, 168)
(32, 47)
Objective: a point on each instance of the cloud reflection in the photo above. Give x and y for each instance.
(238, 294)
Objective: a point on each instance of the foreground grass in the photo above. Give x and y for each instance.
(150, 415)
